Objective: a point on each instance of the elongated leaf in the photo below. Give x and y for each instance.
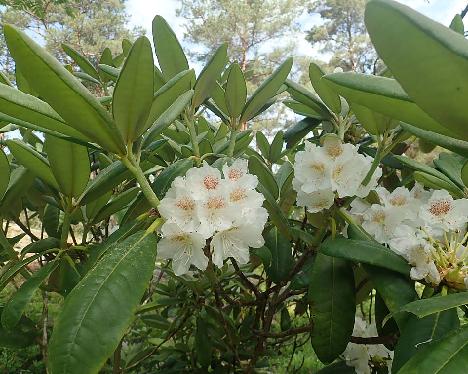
(21, 107)
(70, 165)
(302, 109)
(209, 75)
(447, 356)
(295, 133)
(100, 308)
(385, 96)
(420, 332)
(333, 305)
(21, 180)
(117, 204)
(455, 145)
(133, 93)
(236, 91)
(163, 181)
(373, 122)
(428, 59)
(431, 181)
(276, 147)
(15, 268)
(451, 165)
(425, 307)
(308, 98)
(366, 252)
(457, 24)
(168, 93)
(170, 55)
(329, 97)
(266, 91)
(265, 176)
(22, 336)
(281, 255)
(464, 174)
(33, 161)
(15, 306)
(65, 93)
(84, 64)
(110, 72)
(5, 173)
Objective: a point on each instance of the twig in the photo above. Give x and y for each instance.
(245, 280)
(290, 332)
(387, 339)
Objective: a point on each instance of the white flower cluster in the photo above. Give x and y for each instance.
(365, 357)
(203, 205)
(332, 170)
(427, 228)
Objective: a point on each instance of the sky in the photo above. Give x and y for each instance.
(142, 12)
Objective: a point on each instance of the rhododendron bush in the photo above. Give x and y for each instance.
(178, 240)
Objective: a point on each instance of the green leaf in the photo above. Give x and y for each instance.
(110, 72)
(236, 91)
(281, 255)
(419, 166)
(168, 93)
(425, 307)
(203, 346)
(428, 59)
(385, 96)
(51, 220)
(98, 311)
(207, 79)
(163, 181)
(262, 144)
(84, 64)
(302, 109)
(464, 174)
(329, 97)
(457, 24)
(274, 211)
(170, 55)
(451, 165)
(9, 273)
(308, 98)
(22, 336)
(276, 147)
(21, 180)
(119, 202)
(447, 356)
(339, 367)
(437, 183)
(333, 305)
(23, 110)
(14, 308)
(295, 133)
(133, 93)
(265, 176)
(64, 92)
(5, 173)
(420, 332)
(366, 252)
(70, 165)
(33, 161)
(455, 145)
(373, 122)
(266, 91)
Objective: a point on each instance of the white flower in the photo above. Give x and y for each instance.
(238, 174)
(184, 248)
(215, 214)
(179, 206)
(441, 211)
(420, 257)
(204, 180)
(235, 242)
(381, 222)
(316, 201)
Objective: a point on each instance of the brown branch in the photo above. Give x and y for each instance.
(290, 332)
(387, 339)
(245, 280)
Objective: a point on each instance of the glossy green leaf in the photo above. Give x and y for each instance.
(262, 144)
(428, 59)
(119, 202)
(276, 147)
(421, 332)
(206, 81)
(24, 109)
(33, 161)
(308, 98)
(110, 72)
(366, 252)
(281, 255)
(84, 64)
(457, 24)
(51, 220)
(265, 176)
(332, 304)
(455, 145)
(163, 181)
(385, 96)
(425, 307)
(168, 93)
(203, 346)
(24, 335)
(329, 97)
(14, 308)
(70, 165)
(431, 181)
(373, 122)
(170, 55)
(9, 273)
(5, 173)
(266, 91)
(87, 330)
(302, 109)
(65, 93)
(451, 165)
(447, 356)
(133, 92)
(236, 91)
(21, 180)
(464, 174)
(295, 133)
(419, 166)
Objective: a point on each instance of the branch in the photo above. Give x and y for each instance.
(464, 11)
(245, 280)
(387, 339)
(283, 334)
